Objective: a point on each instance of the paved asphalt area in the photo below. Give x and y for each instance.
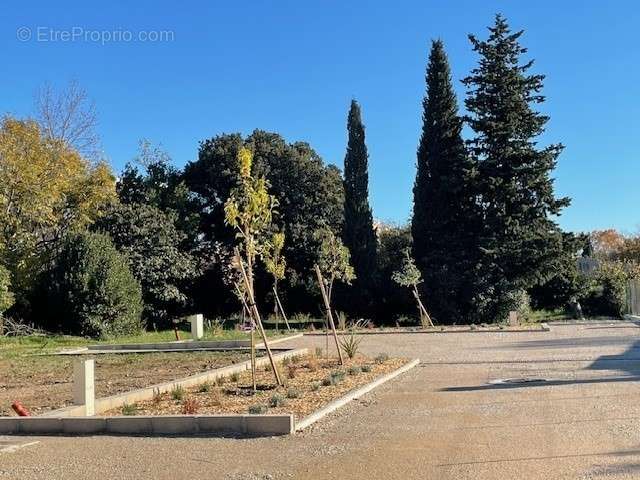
(453, 417)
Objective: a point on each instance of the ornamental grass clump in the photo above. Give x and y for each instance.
(354, 370)
(293, 393)
(129, 409)
(177, 392)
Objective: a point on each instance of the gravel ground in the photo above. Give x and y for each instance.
(444, 419)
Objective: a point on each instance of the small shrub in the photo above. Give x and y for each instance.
(190, 406)
(177, 392)
(235, 376)
(327, 381)
(277, 400)
(366, 368)
(315, 386)
(293, 393)
(204, 387)
(257, 409)
(354, 370)
(351, 344)
(215, 398)
(292, 371)
(286, 361)
(381, 358)
(129, 409)
(337, 376)
(221, 380)
(319, 352)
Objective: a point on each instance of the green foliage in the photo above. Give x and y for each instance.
(327, 381)
(315, 386)
(309, 194)
(152, 244)
(293, 393)
(257, 409)
(393, 299)
(358, 234)
(6, 297)
(178, 392)
(235, 376)
(277, 400)
(204, 387)
(129, 409)
(606, 290)
(350, 344)
(354, 370)
(91, 291)
(337, 376)
(519, 242)
(335, 259)
(445, 219)
(408, 275)
(366, 368)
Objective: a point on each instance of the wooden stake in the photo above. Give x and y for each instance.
(256, 317)
(329, 314)
(421, 309)
(253, 341)
(284, 316)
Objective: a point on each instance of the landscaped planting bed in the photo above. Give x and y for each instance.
(311, 382)
(44, 383)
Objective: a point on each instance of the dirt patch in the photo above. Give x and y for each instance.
(308, 387)
(44, 383)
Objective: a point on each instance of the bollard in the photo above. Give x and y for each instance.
(197, 327)
(83, 385)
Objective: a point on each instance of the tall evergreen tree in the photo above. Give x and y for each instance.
(444, 223)
(358, 233)
(520, 243)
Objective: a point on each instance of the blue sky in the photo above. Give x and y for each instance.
(293, 67)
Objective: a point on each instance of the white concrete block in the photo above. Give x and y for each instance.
(514, 321)
(197, 326)
(83, 385)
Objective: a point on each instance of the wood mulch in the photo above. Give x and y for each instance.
(303, 379)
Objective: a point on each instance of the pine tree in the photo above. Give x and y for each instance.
(358, 235)
(520, 243)
(444, 223)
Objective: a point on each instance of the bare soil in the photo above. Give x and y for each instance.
(44, 383)
(303, 392)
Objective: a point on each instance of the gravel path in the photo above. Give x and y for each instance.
(449, 418)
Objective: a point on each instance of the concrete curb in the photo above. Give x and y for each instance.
(179, 425)
(115, 401)
(314, 417)
(543, 328)
(177, 346)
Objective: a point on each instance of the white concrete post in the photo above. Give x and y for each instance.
(514, 321)
(197, 326)
(83, 385)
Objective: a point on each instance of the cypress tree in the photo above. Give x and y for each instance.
(520, 243)
(444, 222)
(358, 233)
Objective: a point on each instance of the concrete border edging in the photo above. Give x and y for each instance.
(188, 425)
(340, 402)
(107, 403)
(543, 328)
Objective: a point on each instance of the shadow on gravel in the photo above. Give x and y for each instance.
(627, 362)
(562, 343)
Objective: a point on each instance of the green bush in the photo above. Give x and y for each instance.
(91, 290)
(606, 290)
(6, 297)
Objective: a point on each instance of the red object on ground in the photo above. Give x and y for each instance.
(19, 409)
